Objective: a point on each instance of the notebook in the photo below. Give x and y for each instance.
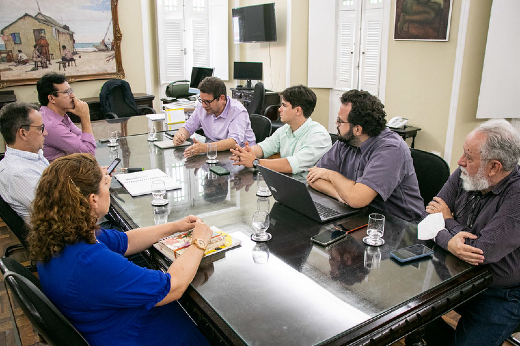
(169, 144)
(304, 199)
(140, 183)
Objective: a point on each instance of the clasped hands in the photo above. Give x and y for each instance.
(243, 156)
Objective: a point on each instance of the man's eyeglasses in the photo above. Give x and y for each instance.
(69, 92)
(339, 121)
(206, 102)
(41, 127)
(473, 210)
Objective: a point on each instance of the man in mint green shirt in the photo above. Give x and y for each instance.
(301, 142)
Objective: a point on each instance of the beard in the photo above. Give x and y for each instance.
(349, 138)
(476, 183)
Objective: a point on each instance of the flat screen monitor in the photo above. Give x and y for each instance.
(198, 74)
(247, 71)
(254, 23)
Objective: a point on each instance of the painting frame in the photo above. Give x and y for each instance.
(119, 71)
(422, 20)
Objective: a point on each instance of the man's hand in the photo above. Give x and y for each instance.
(185, 224)
(243, 156)
(439, 206)
(467, 253)
(179, 138)
(195, 149)
(316, 173)
(80, 109)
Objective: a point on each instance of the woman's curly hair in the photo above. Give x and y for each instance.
(61, 210)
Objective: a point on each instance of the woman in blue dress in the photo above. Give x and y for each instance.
(83, 268)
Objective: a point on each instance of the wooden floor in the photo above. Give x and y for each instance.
(30, 337)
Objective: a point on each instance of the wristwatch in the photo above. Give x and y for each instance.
(201, 244)
(256, 162)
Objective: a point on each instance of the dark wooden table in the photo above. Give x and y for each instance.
(290, 291)
(407, 132)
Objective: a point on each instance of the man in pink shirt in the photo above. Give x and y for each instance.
(57, 98)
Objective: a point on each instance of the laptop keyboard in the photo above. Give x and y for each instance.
(326, 212)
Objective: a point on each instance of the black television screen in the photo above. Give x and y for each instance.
(254, 23)
(247, 71)
(198, 74)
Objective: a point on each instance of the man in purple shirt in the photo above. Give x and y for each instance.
(224, 121)
(369, 164)
(480, 204)
(57, 98)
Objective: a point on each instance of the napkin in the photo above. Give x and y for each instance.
(430, 226)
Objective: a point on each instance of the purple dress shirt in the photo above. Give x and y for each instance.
(233, 122)
(384, 164)
(64, 137)
(493, 217)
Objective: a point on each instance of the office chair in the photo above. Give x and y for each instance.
(261, 127)
(333, 137)
(42, 313)
(255, 106)
(16, 224)
(432, 172)
(273, 114)
(117, 100)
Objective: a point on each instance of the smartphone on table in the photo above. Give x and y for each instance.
(411, 253)
(329, 236)
(113, 165)
(219, 170)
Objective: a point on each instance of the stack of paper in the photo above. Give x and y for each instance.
(140, 183)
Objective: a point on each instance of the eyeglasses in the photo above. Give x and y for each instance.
(339, 121)
(69, 91)
(41, 127)
(473, 210)
(206, 102)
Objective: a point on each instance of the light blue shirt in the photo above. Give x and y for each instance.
(20, 172)
(302, 148)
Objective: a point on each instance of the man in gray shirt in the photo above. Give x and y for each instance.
(369, 164)
(480, 204)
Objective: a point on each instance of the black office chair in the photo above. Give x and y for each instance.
(271, 112)
(117, 101)
(261, 126)
(44, 316)
(255, 106)
(16, 224)
(432, 172)
(333, 137)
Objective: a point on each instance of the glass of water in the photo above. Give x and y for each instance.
(375, 230)
(152, 133)
(211, 153)
(158, 192)
(113, 136)
(260, 225)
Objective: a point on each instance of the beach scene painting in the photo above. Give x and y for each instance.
(79, 38)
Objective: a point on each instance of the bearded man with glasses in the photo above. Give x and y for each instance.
(57, 98)
(22, 127)
(225, 121)
(481, 210)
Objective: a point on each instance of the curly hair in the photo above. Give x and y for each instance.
(367, 111)
(61, 209)
(214, 86)
(300, 96)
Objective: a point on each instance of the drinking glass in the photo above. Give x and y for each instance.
(372, 259)
(158, 192)
(260, 253)
(375, 230)
(160, 215)
(260, 225)
(113, 136)
(152, 133)
(211, 153)
(262, 188)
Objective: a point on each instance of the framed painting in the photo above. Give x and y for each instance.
(79, 38)
(422, 20)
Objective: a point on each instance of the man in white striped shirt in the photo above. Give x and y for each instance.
(22, 127)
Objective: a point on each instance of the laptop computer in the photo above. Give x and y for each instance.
(304, 199)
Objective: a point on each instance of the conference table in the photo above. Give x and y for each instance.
(288, 291)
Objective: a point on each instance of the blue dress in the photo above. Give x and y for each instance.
(110, 300)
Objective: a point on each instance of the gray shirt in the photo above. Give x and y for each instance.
(384, 164)
(493, 217)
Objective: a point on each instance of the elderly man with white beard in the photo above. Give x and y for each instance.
(480, 204)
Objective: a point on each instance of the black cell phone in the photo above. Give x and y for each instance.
(113, 165)
(411, 253)
(219, 170)
(328, 237)
(353, 223)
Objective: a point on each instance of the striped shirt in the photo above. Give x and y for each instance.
(20, 172)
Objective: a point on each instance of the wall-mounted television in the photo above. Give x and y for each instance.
(247, 71)
(254, 23)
